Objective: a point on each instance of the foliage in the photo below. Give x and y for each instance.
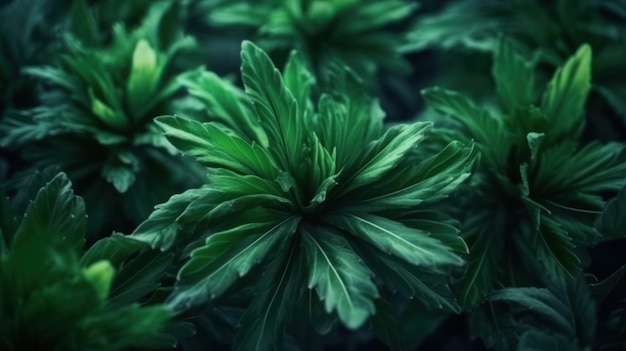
(572, 317)
(300, 215)
(356, 31)
(95, 121)
(52, 299)
(537, 191)
(25, 40)
(550, 31)
(287, 189)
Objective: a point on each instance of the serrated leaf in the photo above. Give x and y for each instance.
(430, 289)
(225, 103)
(341, 280)
(55, 212)
(115, 248)
(215, 148)
(566, 94)
(430, 181)
(515, 79)
(481, 125)
(208, 273)
(483, 233)
(138, 277)
(612, 222)
(275, 105)
(555, 250)
(299, 80)
(560, 311)
(385, 153)
(269, 313)
(374, 15)
(161, 229)
(387, 325)
(411, 245)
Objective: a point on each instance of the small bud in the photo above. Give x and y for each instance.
(100, 274)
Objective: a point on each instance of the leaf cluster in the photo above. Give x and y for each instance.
(55, 297)
(288, 193)
(549, 31)
(95, 117)
(358, 32)
(538, 190)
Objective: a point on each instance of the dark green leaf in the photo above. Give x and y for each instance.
(225, 258)
(566, 94)
(612, 223)
(340, 278)
(263, 324)
(414, 246)
(275, 105)
(515, 79)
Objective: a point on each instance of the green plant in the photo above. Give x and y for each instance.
(25, 40)
(55, 298)
(549, 31)
(300, 215)
(96, 122)
(537, 192)
(328, 202)
(355, 31)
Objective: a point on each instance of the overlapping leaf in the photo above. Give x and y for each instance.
(299, 195)
(67, 304)
(534, 169)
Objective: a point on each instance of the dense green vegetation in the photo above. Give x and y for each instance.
(312, 175)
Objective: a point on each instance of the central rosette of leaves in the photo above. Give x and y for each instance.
(325, 197)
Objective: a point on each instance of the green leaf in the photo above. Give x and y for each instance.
(341, 280)
(275, 105)
(347, 117)
(139, 277)
(374, 15)
(419, 322)
(299, 80)
(592, 169)
(432, 290)
(215, 148)
(414, 246)
(384, 154)
(555, 250)
(212, 269)
(55, 212)
(564, 312)
(431, 180)
(488, 131)
(122, 176)
(225, 103)
(387, 326)
(264, 322)
(130, 325)
(115, 248)
(483, 232)
(515, 79)
(612, 223)
(566, 94)
(161, 229)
